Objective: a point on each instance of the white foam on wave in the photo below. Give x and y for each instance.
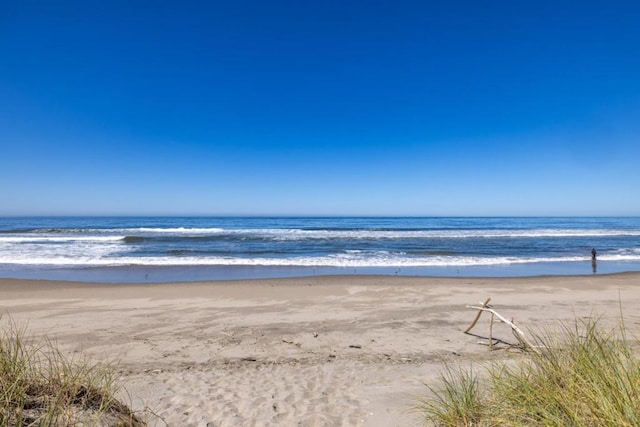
(623, 254)
(135, 230)
(54, 250)
(61, 239)
(301, 234)
(177, 230)
(341, 260)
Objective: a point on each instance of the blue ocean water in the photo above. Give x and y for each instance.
(135, 249)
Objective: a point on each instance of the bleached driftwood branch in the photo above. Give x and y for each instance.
(485, 304)
(517, 332)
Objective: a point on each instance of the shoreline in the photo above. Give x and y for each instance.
(330, 350)
(326, 279)
(192, 274)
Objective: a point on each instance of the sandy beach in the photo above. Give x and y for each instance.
(335, 350)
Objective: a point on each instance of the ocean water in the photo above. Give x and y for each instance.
(137, 249)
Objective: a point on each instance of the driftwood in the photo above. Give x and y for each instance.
(485, 304)
(524, 342)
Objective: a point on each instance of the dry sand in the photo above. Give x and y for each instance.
(343, 350)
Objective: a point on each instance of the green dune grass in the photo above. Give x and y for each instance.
(585, 375)
(39, 386)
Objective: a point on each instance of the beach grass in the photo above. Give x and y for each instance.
(584, 375)
(40, 386)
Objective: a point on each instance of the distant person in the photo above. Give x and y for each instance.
(594, 264)
(594, 254)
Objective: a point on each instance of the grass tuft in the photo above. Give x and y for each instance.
(585, 376)
(457, 401)
(40, 386)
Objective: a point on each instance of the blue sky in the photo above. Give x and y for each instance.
(320, 108)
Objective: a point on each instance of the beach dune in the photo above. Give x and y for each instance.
(334, 350)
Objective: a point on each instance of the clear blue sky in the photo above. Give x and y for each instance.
(320, 107)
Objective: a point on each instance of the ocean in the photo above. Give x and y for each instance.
(155, 249)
